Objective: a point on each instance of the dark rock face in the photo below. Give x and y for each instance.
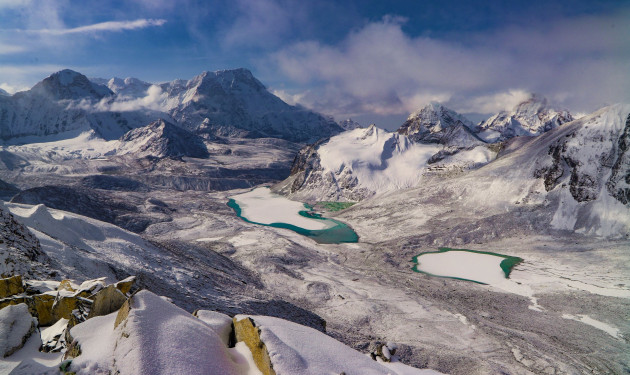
(619, 182)
(19, 248)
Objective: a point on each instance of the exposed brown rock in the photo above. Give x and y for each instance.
(125, 285)
(246, 331)
(106, 301)
(11, 286)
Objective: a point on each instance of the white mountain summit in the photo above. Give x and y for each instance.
(530, 118)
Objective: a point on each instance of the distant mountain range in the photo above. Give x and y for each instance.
(222, 103)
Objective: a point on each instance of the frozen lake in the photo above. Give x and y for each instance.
(263, 207)
(478, 266)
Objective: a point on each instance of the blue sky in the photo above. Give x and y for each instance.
(375, 61)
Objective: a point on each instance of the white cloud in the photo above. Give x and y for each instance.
(154, 99)
(12, 89)
(104, 26)
(8, 49)
(497, 102)
(580, 63)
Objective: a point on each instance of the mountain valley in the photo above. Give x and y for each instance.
(113, 178)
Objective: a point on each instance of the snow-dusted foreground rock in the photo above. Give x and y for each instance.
(295, 349)
(149, 335)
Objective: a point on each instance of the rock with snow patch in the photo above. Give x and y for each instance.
(16, 326)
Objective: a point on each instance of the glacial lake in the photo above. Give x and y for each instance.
(471, 265)
(263, 207)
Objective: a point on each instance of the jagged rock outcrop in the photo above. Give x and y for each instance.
(162, 139)
(619, 182)
(532, 117)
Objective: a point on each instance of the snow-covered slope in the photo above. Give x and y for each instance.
(437, 124)
(530, 118)
(360, 163)
(162, 139)
(4, 93)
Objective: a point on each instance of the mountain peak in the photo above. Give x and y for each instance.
(531, 117)
(68, 84)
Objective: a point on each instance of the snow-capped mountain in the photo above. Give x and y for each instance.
(226, 103)
(70, 85)
(162, 139)
(359, 163)
(230, 103)
(4, 93)
(66, 102)
(437, 124)
(128, 87)
(529, 118)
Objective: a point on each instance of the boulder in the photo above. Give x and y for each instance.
(125, 285)
(245, 330)
(106, 301)
(41, 306)
(11, 286)
(16, 326)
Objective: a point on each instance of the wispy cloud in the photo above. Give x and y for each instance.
(154, 99)
(111, 26)
(8, 49)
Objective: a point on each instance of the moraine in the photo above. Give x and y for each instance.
(261, 206)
